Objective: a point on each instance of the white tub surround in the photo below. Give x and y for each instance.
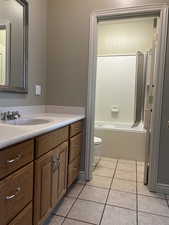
(12, 134)
(115, 88)
(121, 140)
(120, 126)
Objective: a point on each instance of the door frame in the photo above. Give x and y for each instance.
(153, 10)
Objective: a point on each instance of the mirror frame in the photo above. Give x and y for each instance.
(24, 89)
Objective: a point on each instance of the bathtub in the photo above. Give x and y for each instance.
(121, 140)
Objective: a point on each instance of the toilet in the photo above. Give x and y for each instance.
(97, 151)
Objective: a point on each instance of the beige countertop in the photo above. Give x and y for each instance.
(11, 134)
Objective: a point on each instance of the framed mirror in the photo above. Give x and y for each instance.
(13, 46)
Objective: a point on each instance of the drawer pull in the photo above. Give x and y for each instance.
(18, 157)
(14, 195)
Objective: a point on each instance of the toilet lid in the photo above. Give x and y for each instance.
(97, 140)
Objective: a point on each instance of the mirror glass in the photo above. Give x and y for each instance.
(13, 45)
(3, 55)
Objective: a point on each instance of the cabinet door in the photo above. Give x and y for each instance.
(43, 185)
(75, 146)
(24, 218)
(59, 175)
(73, 170)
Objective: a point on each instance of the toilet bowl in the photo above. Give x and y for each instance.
(97, 150)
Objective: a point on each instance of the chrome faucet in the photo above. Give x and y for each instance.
(10, 115)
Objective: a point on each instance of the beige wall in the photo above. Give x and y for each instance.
(37, 57)
(68, 41)
(125, 36)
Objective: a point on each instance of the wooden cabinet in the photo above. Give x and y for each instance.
(16, 191)
(24, 218)
(50, 181)
(35, 174)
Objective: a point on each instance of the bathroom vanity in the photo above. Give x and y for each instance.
(37, 172)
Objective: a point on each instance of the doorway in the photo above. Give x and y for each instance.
(151, 61)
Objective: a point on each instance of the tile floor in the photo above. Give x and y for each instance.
(115, 196)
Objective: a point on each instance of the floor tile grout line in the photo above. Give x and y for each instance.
(76, 198)
(134, 181)
(154, 214)
(108, 193)
(127, 192)
(101, 203)
(149, 196)
(101, 176)
(121, 207)
(77, 220)
(137, 219)
(91, 185)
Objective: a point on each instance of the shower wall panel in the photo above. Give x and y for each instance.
(115, 88)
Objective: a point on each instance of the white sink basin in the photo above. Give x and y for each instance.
(28, 122)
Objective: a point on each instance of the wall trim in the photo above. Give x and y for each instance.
(82, 176)
(162, 188)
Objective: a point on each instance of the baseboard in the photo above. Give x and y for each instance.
(82, 176)
(162, 188)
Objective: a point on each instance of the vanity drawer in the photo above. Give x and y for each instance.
(73, 170)
(49, 141)
(15, 193)
(75, 146)
(12, 158)
(24, 218)
(75, 128)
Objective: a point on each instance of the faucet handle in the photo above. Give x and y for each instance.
(18, 114)
(3, 115)
(9, 115)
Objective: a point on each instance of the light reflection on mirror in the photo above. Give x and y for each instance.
(4, 53)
